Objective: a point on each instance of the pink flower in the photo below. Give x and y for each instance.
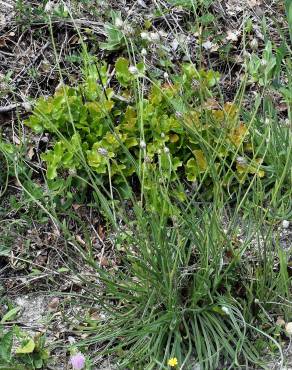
(77, 361)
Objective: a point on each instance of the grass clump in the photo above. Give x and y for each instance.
(182, 290)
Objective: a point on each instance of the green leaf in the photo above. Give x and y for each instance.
(28, 347)
(122, 71)
(10, 315)
(6, 346)
(288, 4)
(7, 148)
(51, 172)
(191, 169)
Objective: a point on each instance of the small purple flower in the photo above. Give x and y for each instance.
(77, 361)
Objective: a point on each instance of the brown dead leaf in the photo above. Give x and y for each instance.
(232, 35)
(3, 42)
(30, 152)
(76, 206)
(95, 316)
(101, 232)
(80, 240)
(211, 104)
(280, 322)
(74, 40)
(53, 304)
(41, 260)
(104, 262)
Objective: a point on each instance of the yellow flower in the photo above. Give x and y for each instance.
(172, 362)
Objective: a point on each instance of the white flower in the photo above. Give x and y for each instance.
(119, 22)
(142, 144)
(133, 70)
(241, 160)
(129, 30)
(162, 135)
(166, 150)
(207, 45)
(72, 171)
(165, 75)
(27, 106)
(49, 7)
(154, 36)
(102, 151)
(145, 35)
(264, 62)
(226, 310)
(143, 52)
(285, 224)
(147, 159)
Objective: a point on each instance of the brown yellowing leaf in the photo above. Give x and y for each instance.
(201, 160)
(238, 134)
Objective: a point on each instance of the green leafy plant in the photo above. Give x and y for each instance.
(30, 353)
(115, 37)
(191, 4)
(262, 69)
(176, 129)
